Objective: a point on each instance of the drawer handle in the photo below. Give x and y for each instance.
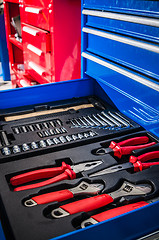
(31, 31)
(41, 71)
(33, 10)
(35, 50)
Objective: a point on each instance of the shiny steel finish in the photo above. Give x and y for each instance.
(85, 166)
(113, 169)
(86, 188)
(129, 189)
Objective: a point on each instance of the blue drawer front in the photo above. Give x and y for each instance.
(141, 7)
(134, 99)
(142, 31)
(139, 59)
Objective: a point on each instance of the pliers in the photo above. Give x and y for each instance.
(56, 174)
(125, 147)
(135, 163)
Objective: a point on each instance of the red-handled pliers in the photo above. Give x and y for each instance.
(135, 163)
(125, 147)
(56, 174)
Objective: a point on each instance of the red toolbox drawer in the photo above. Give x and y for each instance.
(36, 16)
(37, 37)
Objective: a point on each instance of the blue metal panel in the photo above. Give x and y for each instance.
(133, 57)
(134, 99)
(46, 93)
(4, 58)
(149, 8)
(150, 33)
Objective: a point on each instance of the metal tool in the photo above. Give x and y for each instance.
(92, 203)
(25, 147)
(83, 188)
(42, 143)
(58, 122)
(117, 116)
(56, 174)
(99, 120)
(52, 124)
(31, 128)
(6, 151)
(4, 139)
(88, 122)
(56, 140)
(110, 118)
(125, 147)
(63, 130)
(68, 138)
(38, 126)
(16, 130)
(45, 125)
(49, 142)
(16, 149)
(34, 145)
(135, 163)
(115, 212)
(40, 134)
(23, 128)
(52, 132)
(62, 139)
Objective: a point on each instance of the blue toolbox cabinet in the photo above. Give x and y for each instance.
(120, 66)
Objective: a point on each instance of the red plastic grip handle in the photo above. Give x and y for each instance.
(118, 211)
(67, 175)
(38, 174)
(88, 204)
(120, 151)
(144, 157)
(139, 166)
(130, 141)
(58, 196)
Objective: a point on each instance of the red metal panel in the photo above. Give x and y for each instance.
(37, 37)
(66, 30)
(36, 16)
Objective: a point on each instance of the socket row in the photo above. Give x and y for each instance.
(37, 126)
(45, 143)
(109, 120)
(51, 132)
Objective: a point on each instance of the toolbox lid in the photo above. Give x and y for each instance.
(120, 50)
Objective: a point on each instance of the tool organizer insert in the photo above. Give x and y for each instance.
(31, 132)
(53, 163)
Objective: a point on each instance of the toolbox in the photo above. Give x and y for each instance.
(79, 159)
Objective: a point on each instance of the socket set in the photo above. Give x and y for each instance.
(105, 120)
(51, 132)
(37, 126)
(6, 151)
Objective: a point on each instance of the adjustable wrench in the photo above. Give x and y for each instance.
(92, 203)
(83, 188)
(115, 212)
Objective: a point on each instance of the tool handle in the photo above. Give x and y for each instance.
(139, 152)
(88, 204)
(130, 141)
(139, 166)
(144, 157)
(38, 174)
(67, 175)
(120, 151)
(58, 196)
(118, 211)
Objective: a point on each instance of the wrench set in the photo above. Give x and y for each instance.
(74, 170)
(104, 120)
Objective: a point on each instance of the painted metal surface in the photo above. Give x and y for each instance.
(51, 29)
